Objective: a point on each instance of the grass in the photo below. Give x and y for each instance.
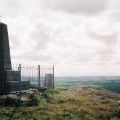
(89, 103)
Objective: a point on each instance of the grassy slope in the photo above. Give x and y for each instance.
(85, 104)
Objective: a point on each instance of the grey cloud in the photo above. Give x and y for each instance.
(14, 41)
(11, 8)
(115, 16)
(106, 55)
(41, 35)
(31, 56)
(109, 40)
(80, 57)
(88, 7)
(38, 57)
(84, 58)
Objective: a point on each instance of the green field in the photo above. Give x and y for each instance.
(112, 85)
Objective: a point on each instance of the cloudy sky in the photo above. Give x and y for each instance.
(80, 37)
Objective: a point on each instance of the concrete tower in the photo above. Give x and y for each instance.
(5, 61)
(10, 80)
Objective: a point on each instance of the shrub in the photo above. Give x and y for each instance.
(12, 102)
(33, 101)
(48, 95)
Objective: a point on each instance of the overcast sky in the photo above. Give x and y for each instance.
(80, 37)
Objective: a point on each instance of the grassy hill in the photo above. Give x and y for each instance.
(87, 103)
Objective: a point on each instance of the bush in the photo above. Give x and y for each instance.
(33, 101)
(48, 95)
(16, 102)
(10, 102)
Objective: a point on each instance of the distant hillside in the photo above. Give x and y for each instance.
(111, 83)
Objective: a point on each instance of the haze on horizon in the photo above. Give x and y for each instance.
(80, 37)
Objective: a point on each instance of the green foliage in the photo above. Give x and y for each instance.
(10, 102)
(16, 102)
(48, 95)
(86, 104)
(33, 101)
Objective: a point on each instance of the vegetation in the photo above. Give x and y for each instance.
(17, 102)
(112, 84)
(89, 103)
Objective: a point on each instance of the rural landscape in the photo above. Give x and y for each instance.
(59, 59)
(92, 100)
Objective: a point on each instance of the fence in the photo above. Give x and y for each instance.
(24, 77)
(38, 76)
